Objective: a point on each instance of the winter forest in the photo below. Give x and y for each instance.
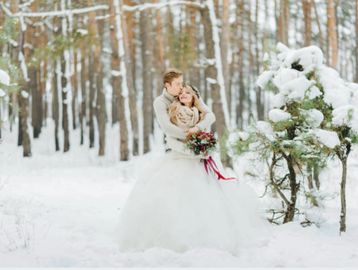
(77, 83)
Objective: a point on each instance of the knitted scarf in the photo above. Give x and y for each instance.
(183, 116)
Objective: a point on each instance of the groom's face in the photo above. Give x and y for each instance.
(175, 86)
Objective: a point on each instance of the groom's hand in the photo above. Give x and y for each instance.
(192, 130)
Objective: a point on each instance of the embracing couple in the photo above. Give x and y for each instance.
(180, 111)
(175, 203)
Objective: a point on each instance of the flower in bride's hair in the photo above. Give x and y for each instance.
(201, 142)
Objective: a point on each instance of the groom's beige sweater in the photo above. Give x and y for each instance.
(176, 135)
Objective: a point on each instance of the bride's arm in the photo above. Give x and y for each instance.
(209, 117)
(180, 147)
(168, 127)
(177, 145)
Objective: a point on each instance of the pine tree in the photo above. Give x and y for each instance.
(307, 125)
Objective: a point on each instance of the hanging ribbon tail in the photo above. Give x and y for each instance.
(210, 163)
(206, 166)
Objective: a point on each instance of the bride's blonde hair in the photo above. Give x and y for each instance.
(175, 105)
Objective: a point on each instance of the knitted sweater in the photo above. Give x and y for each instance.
(174, 134)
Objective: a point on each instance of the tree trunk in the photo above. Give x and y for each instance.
(92, 92)
(97, 29)
(101, 114)
(114, 107)
(131, 101)
(294, 187)
(145, 29)
(36, 115)
(23, 137)
(23, 115)
(307, 11)
(117, 80)
(116, 85)
(75, 89)
(19, 132)
(160, 49)
(65, 84)
(41, 78)
(310, 178)
(114, 69)
(123, 144)
(131, 29)
(343, 214)
(320, 34)
(313, 177)
(332, 34)
(211, 73)
(55, 102)
(23, 97)
(65, 122)
(13, 106)
(32, 41)
(84, 80)
(45, 77)
(316, 170)
(259, 93)
(242, 92)
(193, 28)
(214, 75)
(57, 88)
(283, 22)
(225, 45)
(92, 72)
(251, 68)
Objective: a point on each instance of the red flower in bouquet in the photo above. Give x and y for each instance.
(201, 142)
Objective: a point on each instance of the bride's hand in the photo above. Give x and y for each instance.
(192, 130)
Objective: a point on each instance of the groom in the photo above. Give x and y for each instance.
(173, 83)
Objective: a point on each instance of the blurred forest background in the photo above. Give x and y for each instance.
(95, 65)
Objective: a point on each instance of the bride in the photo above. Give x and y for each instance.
(176, 204)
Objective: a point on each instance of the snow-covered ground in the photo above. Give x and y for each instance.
(60, 210)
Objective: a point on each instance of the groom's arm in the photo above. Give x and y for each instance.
(209, 117)
(160, 109)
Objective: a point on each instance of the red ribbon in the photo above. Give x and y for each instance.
(210, 163)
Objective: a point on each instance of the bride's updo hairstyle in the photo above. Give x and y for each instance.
(173, 108)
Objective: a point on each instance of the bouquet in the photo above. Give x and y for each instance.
(201, 142)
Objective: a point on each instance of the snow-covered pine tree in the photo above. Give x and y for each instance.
(313, 118)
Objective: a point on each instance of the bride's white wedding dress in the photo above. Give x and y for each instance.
(175, 204)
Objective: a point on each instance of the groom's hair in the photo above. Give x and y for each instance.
(171, 74)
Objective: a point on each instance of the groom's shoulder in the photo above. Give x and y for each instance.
(159, 99)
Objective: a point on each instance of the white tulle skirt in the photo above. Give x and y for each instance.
(175, 204)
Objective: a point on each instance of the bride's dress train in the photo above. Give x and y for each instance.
(176, 204)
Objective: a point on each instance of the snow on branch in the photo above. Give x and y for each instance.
(68, 12)
(161, 5)
(26, 4)
(58, 13)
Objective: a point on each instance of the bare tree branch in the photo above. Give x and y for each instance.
(59, 13)
(161, 5)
